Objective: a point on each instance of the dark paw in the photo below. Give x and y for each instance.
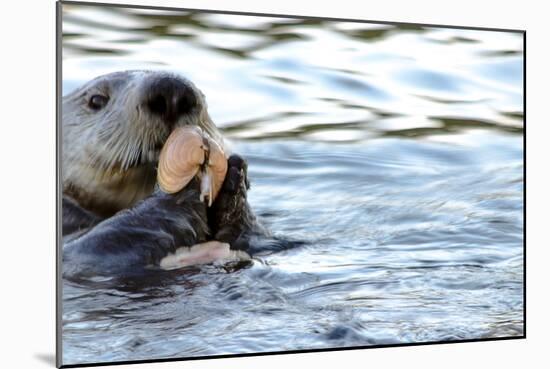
(236, 176)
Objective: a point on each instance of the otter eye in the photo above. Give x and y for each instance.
(98, 101)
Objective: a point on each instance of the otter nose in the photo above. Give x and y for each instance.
(170, 98)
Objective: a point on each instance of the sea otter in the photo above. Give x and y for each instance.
(115, 217)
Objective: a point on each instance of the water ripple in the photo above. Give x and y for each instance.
(395, 152)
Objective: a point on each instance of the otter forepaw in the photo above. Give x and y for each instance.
(236, 177)
(230, 216)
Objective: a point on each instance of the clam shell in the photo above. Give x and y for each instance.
(183, 156)
(217, 168)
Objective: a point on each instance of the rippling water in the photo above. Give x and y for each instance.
(396, 152)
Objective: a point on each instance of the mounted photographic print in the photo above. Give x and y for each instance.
(240, 184)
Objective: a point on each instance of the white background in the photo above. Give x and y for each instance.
(27, 147)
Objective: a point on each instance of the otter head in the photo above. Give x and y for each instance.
(113, 129)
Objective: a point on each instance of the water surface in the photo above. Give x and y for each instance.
(395, 152)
